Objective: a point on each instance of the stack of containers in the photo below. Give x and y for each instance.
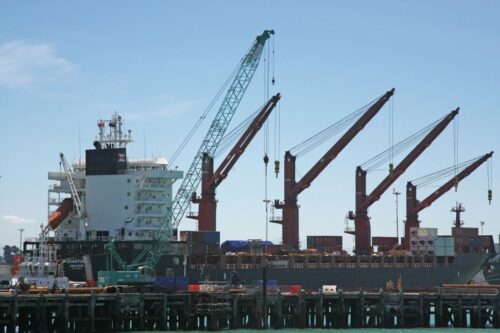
(201, 242)
(467, 239)
(445, 246)
(422, 241)
(326, 244)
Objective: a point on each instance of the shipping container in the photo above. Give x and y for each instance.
(445, 241)
(200, 237)
(314, 242)
(427, 232)
(212, 249)
(212, 237)
(384, 241)
(181, 283)
(464, 232)
(166, 282)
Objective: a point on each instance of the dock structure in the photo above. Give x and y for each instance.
(107, 312)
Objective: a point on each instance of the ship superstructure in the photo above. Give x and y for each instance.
(122, 199)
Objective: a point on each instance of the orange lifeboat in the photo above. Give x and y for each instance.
(61, 213)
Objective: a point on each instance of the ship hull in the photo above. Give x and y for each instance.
(458, 270)
(350, 278)
(491, 272)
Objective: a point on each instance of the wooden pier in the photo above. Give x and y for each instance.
(107, 312)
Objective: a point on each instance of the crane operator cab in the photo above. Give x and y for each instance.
(148, 274)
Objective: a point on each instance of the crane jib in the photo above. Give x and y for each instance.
(151, 254)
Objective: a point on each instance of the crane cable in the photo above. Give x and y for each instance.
(266, 135)
(455, 149)
(231, 137)
(320, 137)
(205, 113)
(440, 174)
(489, 172)
(391, 135)
(276, 120)
(403, 145)
(142, 194)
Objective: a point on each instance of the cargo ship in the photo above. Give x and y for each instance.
(109, 197)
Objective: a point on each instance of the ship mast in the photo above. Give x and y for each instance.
(115, 138)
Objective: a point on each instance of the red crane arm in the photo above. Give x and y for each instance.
(238, 149)
(449, 184)
(332, 153)
(409, 159)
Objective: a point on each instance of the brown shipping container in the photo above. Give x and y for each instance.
(314, 242)
(465, 232)
(384, 241)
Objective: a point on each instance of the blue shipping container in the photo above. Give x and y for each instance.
(167, 282)
(212, 237)
(181, 283)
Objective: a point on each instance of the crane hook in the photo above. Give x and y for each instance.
(490, 195)
(266, 159)
(391, 168)
(277, 167)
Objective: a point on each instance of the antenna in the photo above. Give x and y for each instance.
(79, 146)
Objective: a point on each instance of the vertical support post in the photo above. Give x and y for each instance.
(92, 311)
(13, 314)
(361, 220)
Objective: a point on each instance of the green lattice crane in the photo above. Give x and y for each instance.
(150, 255)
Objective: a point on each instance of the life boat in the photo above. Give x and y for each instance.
(61, 213)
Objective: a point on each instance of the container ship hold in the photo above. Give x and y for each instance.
(111, 197)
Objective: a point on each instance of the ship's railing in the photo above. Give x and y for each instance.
(99, 238)
(148, 212)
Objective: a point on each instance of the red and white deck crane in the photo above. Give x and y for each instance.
(290, 219)
(210, 180)
(414, 206)
(362, 229)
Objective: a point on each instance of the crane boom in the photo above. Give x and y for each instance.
(449, 184)
(409, 159)
(332, 153)
(362, 228)
(210, 181)
(248, 65)
(290, 219)
(413, 206)
(247, 137)
(74, 192)
(218, 127)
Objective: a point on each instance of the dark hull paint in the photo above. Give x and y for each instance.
(491, 272)
(463, 268)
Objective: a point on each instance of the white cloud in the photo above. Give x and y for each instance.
(14, 219)
(23, 63)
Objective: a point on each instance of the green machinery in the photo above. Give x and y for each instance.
(140, 269)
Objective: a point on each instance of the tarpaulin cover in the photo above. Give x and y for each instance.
(239, 245)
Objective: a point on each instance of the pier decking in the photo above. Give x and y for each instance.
(101, 312)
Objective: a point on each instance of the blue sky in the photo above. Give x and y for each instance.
(65, 65)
